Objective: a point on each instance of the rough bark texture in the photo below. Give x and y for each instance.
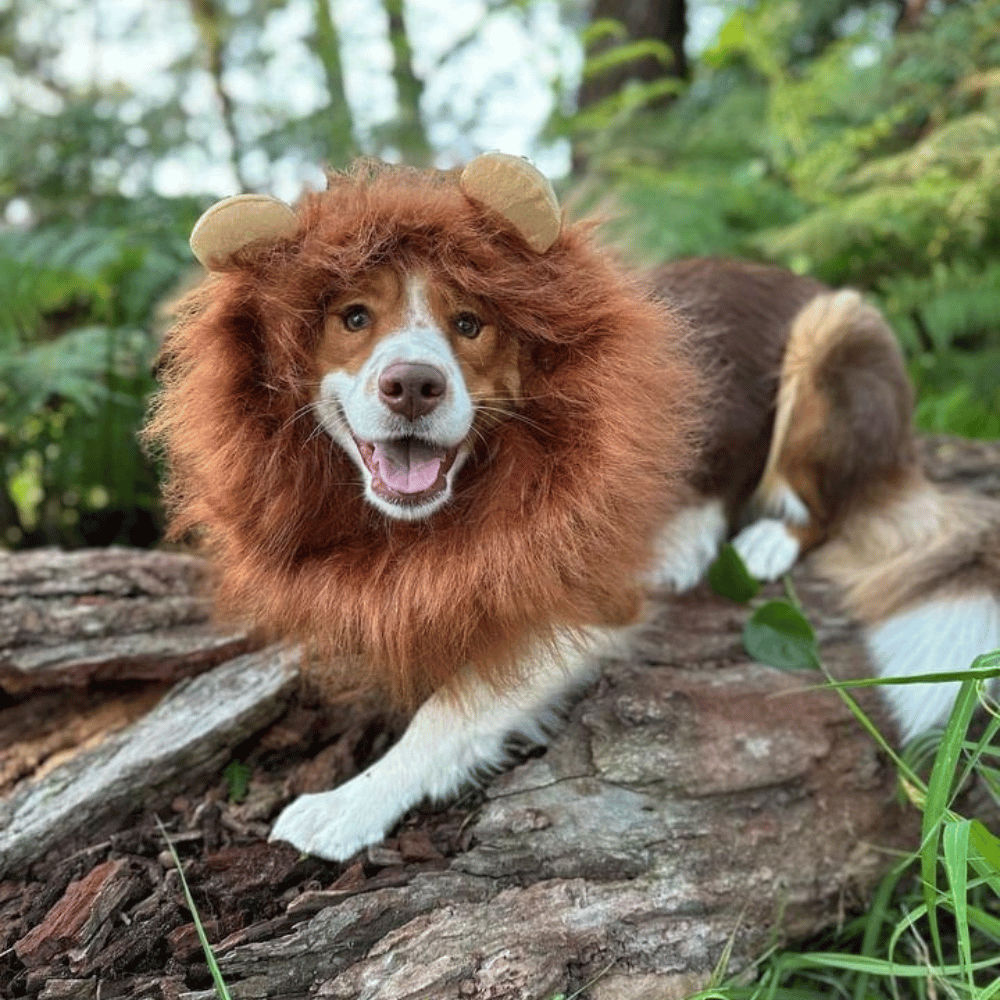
(187, 735)
(693, 797)
(68, 619)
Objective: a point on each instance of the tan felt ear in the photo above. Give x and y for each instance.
(234, 223)
(519, 192)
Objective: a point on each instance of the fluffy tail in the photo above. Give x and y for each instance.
(918, 565)
(922, 573)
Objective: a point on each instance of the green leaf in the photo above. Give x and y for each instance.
(624, 54)
(732, 40)
(729, 577)
(237, 777)
(779, 635)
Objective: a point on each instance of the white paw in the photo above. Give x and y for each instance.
(684, 569)
(334, 825)
(767, 549)
(688, 545)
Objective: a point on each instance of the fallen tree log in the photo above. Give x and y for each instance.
(188, 734)
(694, 799)
(68, 619)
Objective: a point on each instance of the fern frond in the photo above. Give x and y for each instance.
(33, 290)
(960, 147)
(72, 367)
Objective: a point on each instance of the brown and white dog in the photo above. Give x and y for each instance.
(449, 442)
(813, 449)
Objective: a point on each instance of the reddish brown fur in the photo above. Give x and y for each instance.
(489, 361)
(741, 314)
(849, 438)
(554, 514)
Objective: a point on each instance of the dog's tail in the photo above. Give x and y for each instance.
(918, 565)
(922, 574)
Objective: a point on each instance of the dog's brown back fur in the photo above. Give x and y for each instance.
(845, 430)
(843, 440)
(741, 314)
(554, 514)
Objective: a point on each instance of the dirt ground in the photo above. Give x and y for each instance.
(114, 912)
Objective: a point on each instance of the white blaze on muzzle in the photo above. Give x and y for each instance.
(407, 462)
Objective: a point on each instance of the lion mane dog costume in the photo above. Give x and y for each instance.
(446, 440)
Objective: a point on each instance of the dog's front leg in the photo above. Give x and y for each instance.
(773, 541)
(453, 736)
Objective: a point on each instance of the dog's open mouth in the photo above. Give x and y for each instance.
(406, 470)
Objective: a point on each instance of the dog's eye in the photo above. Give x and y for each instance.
(356, 317)
(467, 325)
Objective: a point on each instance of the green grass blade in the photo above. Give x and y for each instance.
(939, 793)
(879, 966)
(971, 673)
(213, 966)
(979, 919)
(955, 841)
(906, 773)
(975, 751)
(985, 856)
(908, 921)
(878, 917)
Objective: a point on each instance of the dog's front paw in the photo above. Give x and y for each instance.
(332, 825)
(767, 548)
(688, 545)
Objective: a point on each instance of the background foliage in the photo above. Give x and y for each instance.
(825, 137)
(856, 140)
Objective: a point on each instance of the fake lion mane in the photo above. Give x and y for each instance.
(554, 514)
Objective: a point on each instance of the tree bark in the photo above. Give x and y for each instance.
(693, 799)
(188, 734)
(70, 619)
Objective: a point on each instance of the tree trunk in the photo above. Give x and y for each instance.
(694, 798)
(408, 128)
(339, 142)
(662, 20)
(208, 20)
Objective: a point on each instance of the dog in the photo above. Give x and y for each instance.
(813, 451)
(449, 442)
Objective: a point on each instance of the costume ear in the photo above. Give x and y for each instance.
(523, 195)
(233, 223)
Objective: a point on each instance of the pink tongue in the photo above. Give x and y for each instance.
(407, 466)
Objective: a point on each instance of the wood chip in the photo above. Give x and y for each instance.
(78, 915)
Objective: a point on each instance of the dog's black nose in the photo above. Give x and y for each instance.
(411, 390)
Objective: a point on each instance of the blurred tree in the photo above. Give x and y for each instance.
(408, 127)
(664, 21)
(635, 58)
(340, 143)
(210, 19)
